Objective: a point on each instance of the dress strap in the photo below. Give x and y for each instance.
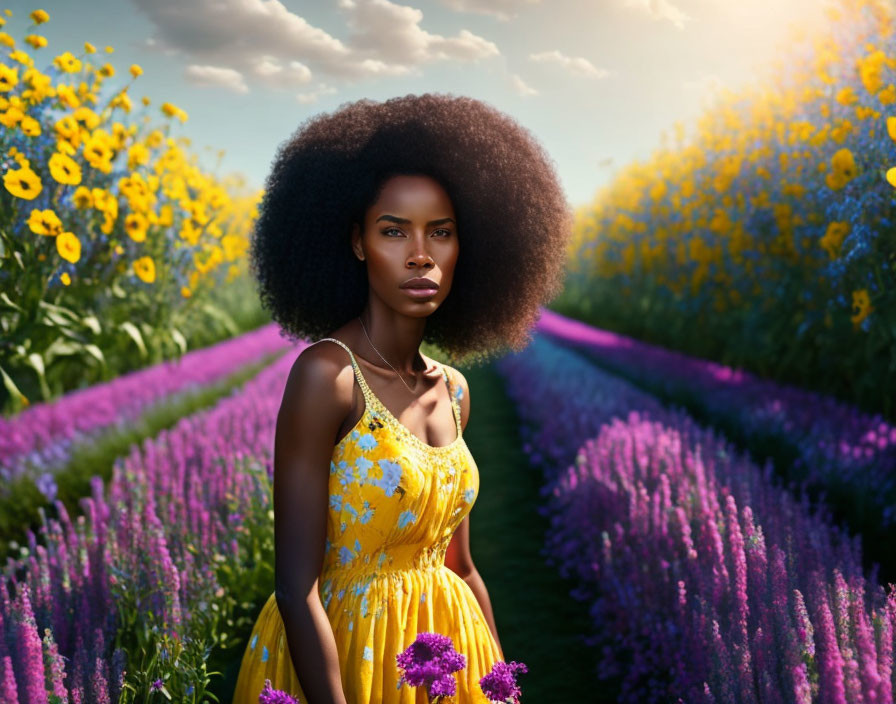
(358, 375)
(453, 397)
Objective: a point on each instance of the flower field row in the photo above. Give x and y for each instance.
(837, 449)
(149, 579)
(771, 228)
(38, 441)
(716, 582)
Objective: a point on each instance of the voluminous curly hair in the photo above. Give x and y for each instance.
(513, 220)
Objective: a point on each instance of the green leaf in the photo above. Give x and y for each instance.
(11, 386)
(8, 302)
(179, 340)
(136, 336)
(93, 323)
(222, 317)
(36, 362)
(96, 352)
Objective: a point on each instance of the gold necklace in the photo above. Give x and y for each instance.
(383, 358)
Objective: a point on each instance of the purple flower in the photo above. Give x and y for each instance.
(430, 660)
(157, 685)
(500, 685)
(269, 695)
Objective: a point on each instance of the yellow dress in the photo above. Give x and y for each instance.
(395, 502)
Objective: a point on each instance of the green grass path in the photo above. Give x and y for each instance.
(538, 621)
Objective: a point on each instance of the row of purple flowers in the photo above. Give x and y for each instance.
(38, 441)
(706, 581)
(138, 582)
(838, 448)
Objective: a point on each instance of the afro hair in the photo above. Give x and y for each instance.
(513, 220)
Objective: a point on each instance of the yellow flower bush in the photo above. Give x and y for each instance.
(768, 231)
(98, 204)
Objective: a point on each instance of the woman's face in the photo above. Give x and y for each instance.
(409, 232)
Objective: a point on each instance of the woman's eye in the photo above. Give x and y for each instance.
(447, 233)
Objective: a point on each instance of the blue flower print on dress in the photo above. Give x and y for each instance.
(254, 641)
(336, 502)
(264, 653)
(346, 555)
(391, 476)
(368, 653)
(468, 495)
(363, 465)
(367, 441)
(367, 513)
(406, 517)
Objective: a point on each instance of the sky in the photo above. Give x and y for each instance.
(596, 81)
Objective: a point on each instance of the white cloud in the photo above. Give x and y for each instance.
(218, 76)
(504, 10)
(661, 10)
(313, 96)
(280, 48)
(576, 65)
(521, 87)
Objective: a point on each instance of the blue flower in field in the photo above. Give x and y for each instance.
(367, 441)
(189, 690)
(157, 685)
(391, 476)
(405, 518)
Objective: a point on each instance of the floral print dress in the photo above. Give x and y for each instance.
(395, 502)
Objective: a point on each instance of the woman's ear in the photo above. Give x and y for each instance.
(356, 241)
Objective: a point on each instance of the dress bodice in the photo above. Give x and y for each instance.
(394, 500)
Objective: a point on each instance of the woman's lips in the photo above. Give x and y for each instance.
(420, 292)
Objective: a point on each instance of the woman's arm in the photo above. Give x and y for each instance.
(458, 558)
(459, 561)
(311, 412)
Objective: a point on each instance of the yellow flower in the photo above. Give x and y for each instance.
(135, 224)
(65, 278)
(891, 176)
(68, 62)
(136, 70)
(68, 246)
(22, 183)
(82, 198)
(891, 127)
(843, 169)
(145, 268)
(109, 49)
(44, 222)
(9, 78)
(89, 48)
(833, 238)
(861, 306)
(39, 16)
(30, 126)
(107, 70)
(65, 169)
(847, 96)
(185, 292)
(36, 40)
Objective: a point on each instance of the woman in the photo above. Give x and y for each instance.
(422, 218)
